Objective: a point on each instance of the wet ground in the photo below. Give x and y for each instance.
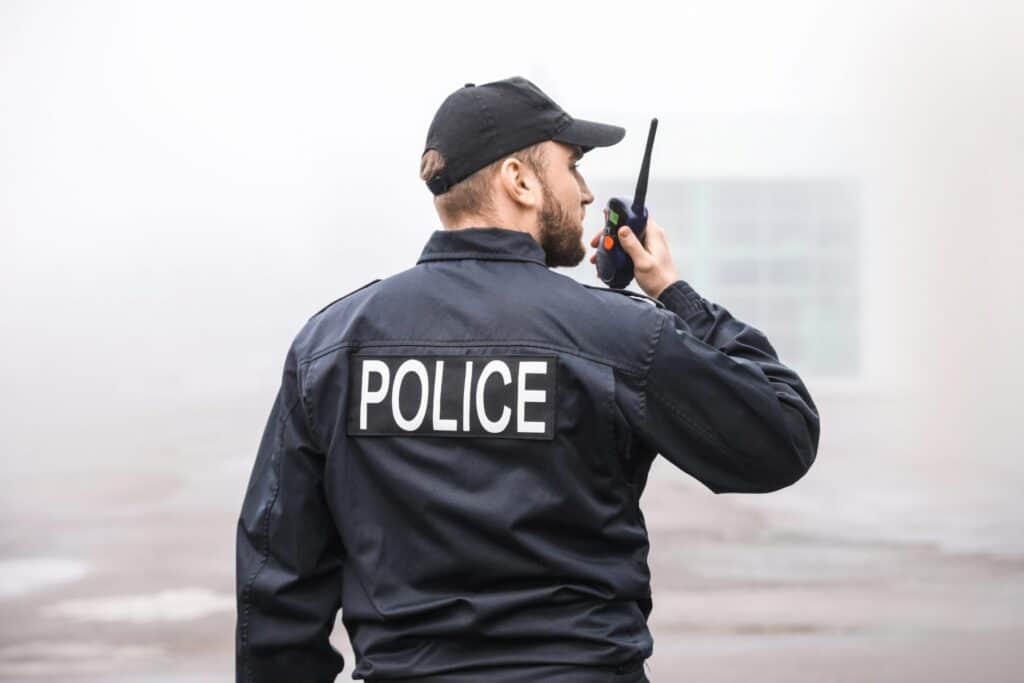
(118, 565)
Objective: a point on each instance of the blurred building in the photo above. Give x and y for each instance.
(780, 254)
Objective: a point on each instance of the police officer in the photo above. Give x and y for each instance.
(457, 452)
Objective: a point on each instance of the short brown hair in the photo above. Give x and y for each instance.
(471, 195)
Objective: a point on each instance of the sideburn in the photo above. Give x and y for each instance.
(558, 237)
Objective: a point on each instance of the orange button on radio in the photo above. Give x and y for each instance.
(608, 243)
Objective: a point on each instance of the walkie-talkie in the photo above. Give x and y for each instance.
(614, 266)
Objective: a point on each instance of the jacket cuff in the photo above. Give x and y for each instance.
(680, 298)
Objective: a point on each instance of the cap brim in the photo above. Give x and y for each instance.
(590, 134)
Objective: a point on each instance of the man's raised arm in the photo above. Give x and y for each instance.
(721, 405)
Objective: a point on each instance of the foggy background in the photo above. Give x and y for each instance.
(182, 185)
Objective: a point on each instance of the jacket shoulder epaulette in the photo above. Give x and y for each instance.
(357, 289)
(628, 292)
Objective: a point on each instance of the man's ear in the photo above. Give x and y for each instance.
(519, 183)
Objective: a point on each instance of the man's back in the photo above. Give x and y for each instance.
(468, 547)
(480, 429)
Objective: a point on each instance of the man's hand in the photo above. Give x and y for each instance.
(652, 263)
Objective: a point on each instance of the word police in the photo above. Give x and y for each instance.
(507, 396)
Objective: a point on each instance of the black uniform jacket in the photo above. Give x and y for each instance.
(455, 460)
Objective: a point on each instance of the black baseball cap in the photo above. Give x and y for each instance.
(478, 124)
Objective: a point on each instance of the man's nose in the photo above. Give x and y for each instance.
(588, 197)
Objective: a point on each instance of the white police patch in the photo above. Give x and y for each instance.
(510, 397)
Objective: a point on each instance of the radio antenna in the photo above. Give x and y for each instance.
(640, 196)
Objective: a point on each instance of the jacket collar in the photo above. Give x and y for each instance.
(493, 244)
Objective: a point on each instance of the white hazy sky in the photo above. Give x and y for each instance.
(182, 184)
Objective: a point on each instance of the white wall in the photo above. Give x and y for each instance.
(182, 184)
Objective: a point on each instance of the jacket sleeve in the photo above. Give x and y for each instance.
(288, 554)
(716, 401)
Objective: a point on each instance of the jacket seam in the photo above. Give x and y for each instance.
(628, 369)
(343, 296)
(636, 296)
(648, 362)
(307, 407)
(613, 433)
(247, 592)
(696, 427)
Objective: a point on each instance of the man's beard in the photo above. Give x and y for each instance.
(560, 234)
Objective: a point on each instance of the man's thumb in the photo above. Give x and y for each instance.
(631, 244)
